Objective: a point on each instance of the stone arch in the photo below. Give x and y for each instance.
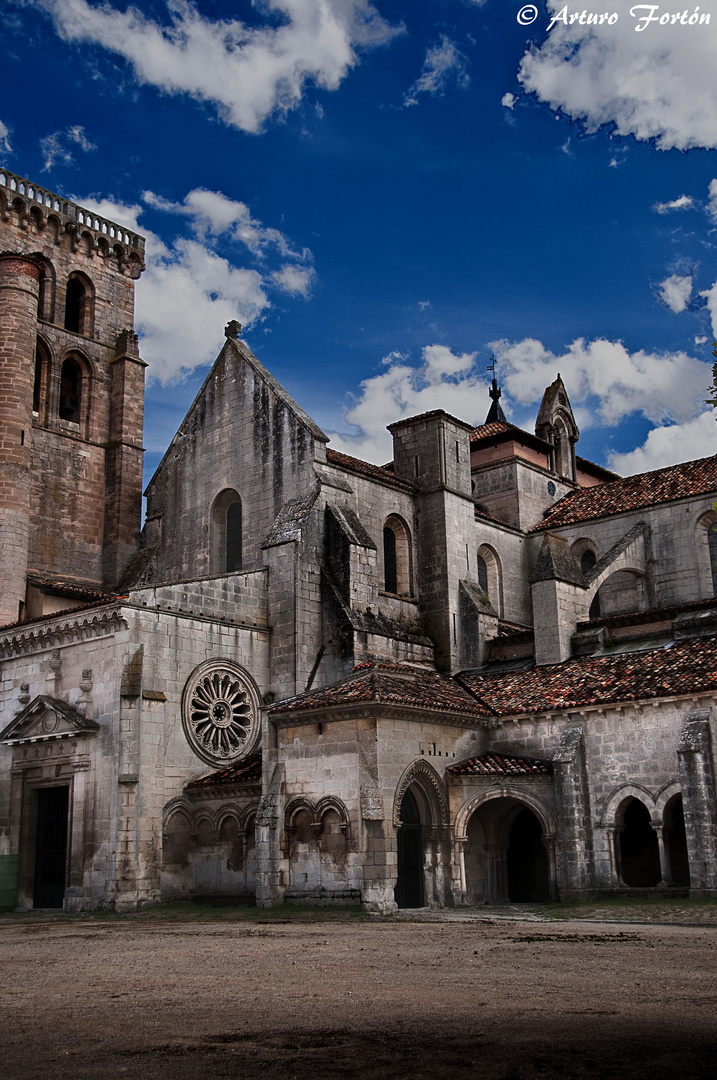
(37, 218)
(637, 847)
(71, 398)
(664, 796)
(674, 839)
(330, 803)
(540, 808)
(505, 843)
(623, 591)
(397, 556)
(177, 832)
(226, 523)
(48, 284)
(488, 561)
(611, 809)
(706, 544)
(54, 225)
(421, 774)
(298, 806)
(79, 315)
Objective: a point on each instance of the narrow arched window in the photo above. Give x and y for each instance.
(712, 538)
(396, 557)
(482, 575)
(233, 535)
(390, 578)
(79, 305)
(75, 305)
(70, 391)
(39, 389)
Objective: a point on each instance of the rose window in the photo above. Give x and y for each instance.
(220, 713)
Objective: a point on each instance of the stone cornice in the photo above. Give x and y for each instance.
(363, 710)
(81, 625)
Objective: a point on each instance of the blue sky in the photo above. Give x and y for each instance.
(387, 193)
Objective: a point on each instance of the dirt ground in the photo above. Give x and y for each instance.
(511, 995)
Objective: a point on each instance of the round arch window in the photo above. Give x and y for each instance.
(220, 712)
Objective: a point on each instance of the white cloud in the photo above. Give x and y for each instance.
(675, 292)
(670, 445)
(662, 386)
(508, 101)
(247, 72)
(685, 202)
(445, 380)
(669, 389)
(712, 204)
(443, 63)
(55, 147)
(189, 291)
(212, 214)
(5, 138)
(710, 296)
(294, 279)
(656, 84)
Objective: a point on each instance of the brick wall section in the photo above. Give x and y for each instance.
(19, 291)
(68, 490)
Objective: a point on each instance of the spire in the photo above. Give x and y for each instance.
(495, 413)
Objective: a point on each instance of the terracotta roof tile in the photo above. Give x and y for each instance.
(686, 667)
(365, 468)
(633, 493)
(390, 684)
(243, 772)
(485, 431)
(500, 764)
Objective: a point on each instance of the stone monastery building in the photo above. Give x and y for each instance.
(484, 672)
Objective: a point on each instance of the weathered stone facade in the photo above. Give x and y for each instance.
(486, 671)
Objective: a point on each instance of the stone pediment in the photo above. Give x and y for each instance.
(47, 718)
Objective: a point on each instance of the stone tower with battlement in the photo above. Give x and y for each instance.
(71, 401)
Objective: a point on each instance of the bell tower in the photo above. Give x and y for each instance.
(71, 401)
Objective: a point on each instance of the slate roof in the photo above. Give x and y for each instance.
(633, 493)
(390, 684)
(365, 468)
(685, 667)
(244, 772)
(501, 765)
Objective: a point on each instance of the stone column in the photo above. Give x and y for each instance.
(575, 872)
(19, 294)
(698, 792)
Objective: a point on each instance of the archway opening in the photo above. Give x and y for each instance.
(527, 861)
(639, 850)
(505, 856)
(409, 892)
(70, 391)
(676, 842)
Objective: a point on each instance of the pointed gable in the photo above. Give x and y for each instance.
(47, 718)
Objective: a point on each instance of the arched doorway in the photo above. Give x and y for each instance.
(676, 842)
(527, 861)
(639, 849)
(409, 891)
(505, 856)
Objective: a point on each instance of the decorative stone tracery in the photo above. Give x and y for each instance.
(220, 712)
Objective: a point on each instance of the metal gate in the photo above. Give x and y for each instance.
(51, 847)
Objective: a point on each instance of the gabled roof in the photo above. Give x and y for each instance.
(498, 431)
(685, 667)
(66, 720)
(633, 493)
(403, 684)
(501, 765)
